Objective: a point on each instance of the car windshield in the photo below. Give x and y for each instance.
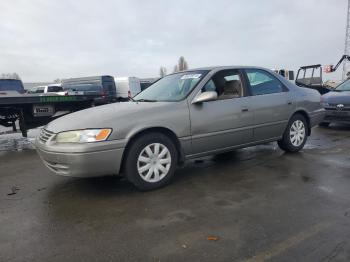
(37, 90)
(171, 88)
(345, 86)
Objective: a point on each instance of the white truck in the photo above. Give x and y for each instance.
(48, 89)
(127, 87)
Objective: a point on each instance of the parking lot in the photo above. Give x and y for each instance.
(254, 204)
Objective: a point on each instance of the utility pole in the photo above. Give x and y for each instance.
(347, 42)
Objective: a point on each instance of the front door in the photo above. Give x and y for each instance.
(225, 122)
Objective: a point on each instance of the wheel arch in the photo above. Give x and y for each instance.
(164, 130)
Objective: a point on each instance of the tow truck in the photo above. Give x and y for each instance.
(32, 110)
(311, 76)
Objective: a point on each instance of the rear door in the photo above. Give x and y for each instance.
(225, 122)
(271, 102)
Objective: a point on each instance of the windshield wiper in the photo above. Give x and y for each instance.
(145, 100)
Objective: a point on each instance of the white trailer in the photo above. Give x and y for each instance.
(127, 87)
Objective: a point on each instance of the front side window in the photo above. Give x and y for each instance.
(226, 83)
(172, 88)
(262, 83)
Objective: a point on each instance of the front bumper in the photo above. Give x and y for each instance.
(317, 117)
(337, 116)
(88, 160)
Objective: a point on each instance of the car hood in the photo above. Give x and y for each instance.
(337, 97)
(110, 116)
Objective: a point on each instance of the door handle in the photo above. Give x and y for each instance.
(289, 102)
(244, 109)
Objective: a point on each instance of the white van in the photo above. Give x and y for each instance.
(127, 87)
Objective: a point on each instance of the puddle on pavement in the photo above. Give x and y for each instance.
(15, 141)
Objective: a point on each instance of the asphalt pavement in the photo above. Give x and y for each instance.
(254, 204)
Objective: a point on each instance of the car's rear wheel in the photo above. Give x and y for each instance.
(295, 135)
(151, 161)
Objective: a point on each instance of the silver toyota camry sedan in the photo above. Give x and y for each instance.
(182, 116)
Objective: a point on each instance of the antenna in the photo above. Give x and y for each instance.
(347, 41)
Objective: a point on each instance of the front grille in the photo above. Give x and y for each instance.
(338, 118)
(335, 105)
(45, 135)
(346, 109)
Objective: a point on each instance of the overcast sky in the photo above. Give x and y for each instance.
(43, 40)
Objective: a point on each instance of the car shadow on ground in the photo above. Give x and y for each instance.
(338, 127)
(230, 164)
(224, 172)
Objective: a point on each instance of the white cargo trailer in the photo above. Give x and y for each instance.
(127, 87)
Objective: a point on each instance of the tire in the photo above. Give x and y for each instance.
(324, 124)
(142, 156)
(292, 143)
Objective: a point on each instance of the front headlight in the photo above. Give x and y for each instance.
(324, 104)
(83, 136)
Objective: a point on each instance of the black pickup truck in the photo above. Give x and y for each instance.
(311, 77)
(32, 110)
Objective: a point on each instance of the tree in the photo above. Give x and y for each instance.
(182, 65)
(162, 71)
(10, 76)
(57, 81)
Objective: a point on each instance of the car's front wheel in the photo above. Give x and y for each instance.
(151, 161)
(295, 135)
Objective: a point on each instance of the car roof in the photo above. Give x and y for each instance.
(216, 68)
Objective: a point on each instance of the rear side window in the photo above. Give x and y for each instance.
(262, 83)
(86, 87)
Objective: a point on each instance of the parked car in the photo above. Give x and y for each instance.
(53, 89)
(11, 85)
(184, 115)
(103, 87)
(127, 87)
(337, 105)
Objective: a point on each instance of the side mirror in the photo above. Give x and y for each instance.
(205, 97)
